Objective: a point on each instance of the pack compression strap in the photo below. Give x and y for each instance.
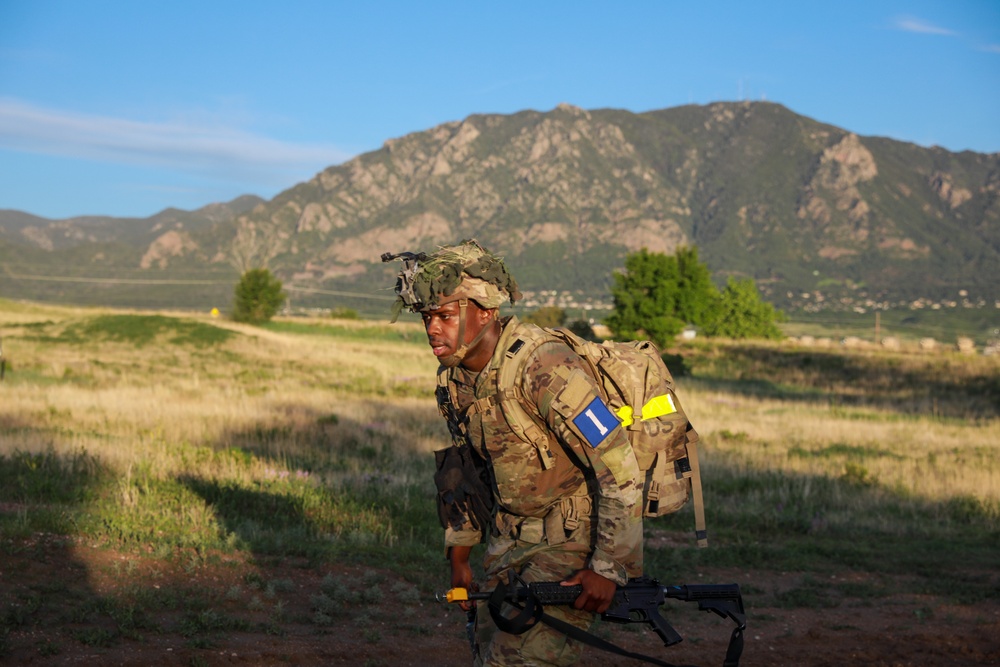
(700, 531)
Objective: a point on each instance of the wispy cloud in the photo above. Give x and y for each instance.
(182, 145)
(912, 24)
(991, 48)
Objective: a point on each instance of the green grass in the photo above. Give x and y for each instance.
(289, 513)
(944, 325)
(143, 330)
(943, 385)
(775, 521)
(373, 332)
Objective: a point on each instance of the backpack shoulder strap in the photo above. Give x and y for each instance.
(527, 340)
(508, 392)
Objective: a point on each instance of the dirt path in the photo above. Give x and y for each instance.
(65, 603)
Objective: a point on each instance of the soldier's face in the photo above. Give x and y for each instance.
(442, 326)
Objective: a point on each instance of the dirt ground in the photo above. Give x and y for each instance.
(67, 603)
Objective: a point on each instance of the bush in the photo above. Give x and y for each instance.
(676, 364)
(258, 297)
(743, 314)
(547, 316)
(582, 329)
(344, 314)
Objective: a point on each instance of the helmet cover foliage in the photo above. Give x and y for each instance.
(463, 271)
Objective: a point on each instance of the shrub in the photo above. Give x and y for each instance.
(547, 316)
(258, 297)
(743, 314)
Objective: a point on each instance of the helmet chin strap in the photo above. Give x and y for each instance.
(453, 360)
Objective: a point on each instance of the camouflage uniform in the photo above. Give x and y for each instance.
(566, 485)
(542, 452)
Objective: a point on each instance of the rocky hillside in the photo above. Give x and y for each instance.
(811, 211)
(798, 205)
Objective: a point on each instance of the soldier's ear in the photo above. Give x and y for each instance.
(483, 315)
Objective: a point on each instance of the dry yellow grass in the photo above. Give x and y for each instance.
(128, 404)
(932, 458)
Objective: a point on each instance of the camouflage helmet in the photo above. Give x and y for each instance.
(463, 271)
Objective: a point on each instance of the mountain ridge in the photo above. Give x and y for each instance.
(803, 207)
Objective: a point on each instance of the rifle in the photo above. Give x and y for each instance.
(638, 601)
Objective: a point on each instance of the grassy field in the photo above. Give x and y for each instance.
(147, 448)
(945, 325)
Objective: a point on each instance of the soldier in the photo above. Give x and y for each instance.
(541, 471)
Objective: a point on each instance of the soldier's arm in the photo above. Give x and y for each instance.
(570, 402)
(461, 571)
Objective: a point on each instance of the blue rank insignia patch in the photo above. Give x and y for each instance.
(595, 422)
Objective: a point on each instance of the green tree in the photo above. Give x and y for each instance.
(658, 294)
(258, 296)
(698, 299)
(743, 314)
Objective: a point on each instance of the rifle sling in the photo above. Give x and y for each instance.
(585, 637)
(733, 651)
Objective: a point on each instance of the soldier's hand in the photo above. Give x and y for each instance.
(461, 573)
(598, 591)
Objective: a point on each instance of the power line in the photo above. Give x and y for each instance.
(359, 295)
(175, 281)
(118, 281)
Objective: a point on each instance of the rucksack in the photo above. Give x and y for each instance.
(639, 389)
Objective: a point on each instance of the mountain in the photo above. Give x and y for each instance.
(813, 212)
(57, 235)
(135, 262)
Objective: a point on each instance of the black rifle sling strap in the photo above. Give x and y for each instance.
(735, 649)
(585, 637)
(520, 623)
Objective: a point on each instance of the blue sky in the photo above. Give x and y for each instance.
(126, 108)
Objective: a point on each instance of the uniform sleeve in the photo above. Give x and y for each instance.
(467, 536)
(570, 402)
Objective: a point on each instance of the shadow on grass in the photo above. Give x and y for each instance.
(802, 523)
(948, 386)
(43, 584)
(326, 485)
(306, 489)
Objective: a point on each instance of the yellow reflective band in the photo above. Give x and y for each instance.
(625, 414)
(658, 406)
(457, 595)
